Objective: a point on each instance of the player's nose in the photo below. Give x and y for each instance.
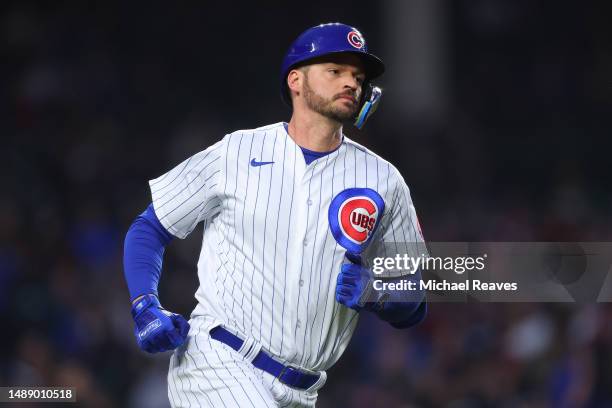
(351, 82)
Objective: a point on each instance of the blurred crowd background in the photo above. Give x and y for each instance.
(497, 113)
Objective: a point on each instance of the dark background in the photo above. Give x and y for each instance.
(497, 113)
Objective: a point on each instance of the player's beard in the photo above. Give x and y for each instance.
(325, 106)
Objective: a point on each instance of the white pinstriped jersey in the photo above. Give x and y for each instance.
(269, 262)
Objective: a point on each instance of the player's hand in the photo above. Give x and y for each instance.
(354, 285)
(157, 329)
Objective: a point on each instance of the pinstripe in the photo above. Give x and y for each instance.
(172, 181)
(195, 208)
(228, 142)
(341, 336)
(164, 176)
(365, 158)
(386, 216)
(344, 169)
(171, 381)
(287, 250)
(199, 368)
(382, 221)
(215, 372)
(263, 251)
(355, 166)
(378, 175)
(391, 224)
(222, 266)
(233, 376)
(408, 209)
(184, 201)
(230, 353)
(401, 218)
(263, 143)
(179, 378)
(188, 184)
(158, 180)
(186, 394)
(208, 153)
(246, 194)
(402, 225)
(170, 395)
(331, 272)
(176, 388)
(286, 396)
(395, 198)
(234, 236)
(280, 199)
(222, 297)
(190, 386)
(204, 393)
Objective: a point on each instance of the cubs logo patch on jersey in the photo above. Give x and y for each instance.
(353, 217)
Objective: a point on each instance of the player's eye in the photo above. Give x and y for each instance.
(333, 71)
(360, 80)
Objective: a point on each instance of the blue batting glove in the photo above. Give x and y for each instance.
(354, 286)
(157, 329)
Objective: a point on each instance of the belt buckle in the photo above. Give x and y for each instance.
(284, 370)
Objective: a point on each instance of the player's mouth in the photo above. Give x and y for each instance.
(347, 97)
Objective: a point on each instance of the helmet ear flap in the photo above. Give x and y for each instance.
(369, 103)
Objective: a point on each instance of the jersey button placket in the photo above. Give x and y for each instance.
(300, 242)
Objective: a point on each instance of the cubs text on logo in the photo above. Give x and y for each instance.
(355, 39)
(353, 217)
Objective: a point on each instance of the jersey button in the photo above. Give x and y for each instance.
(299, 323)
(301, 282)
(309, 202)
(305, 242)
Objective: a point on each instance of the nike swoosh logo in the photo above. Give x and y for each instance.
(255, 163)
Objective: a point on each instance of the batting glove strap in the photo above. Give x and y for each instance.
(144, 303)
(371, 299)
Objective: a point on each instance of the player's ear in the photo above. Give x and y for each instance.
(294, 80)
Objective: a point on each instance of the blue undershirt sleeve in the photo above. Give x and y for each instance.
(143, 253)
(413, 318)
(404, 308)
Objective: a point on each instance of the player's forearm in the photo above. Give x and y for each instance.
(143, 253)
(403, 308)
(413, 318)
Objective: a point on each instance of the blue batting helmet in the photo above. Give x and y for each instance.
(328, 39)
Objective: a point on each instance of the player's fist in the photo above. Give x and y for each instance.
(157, 329)
(354, 284)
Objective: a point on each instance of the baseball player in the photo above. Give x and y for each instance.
(293, 214)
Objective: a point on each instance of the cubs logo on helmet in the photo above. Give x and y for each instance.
(353, 217)
(355, 39)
